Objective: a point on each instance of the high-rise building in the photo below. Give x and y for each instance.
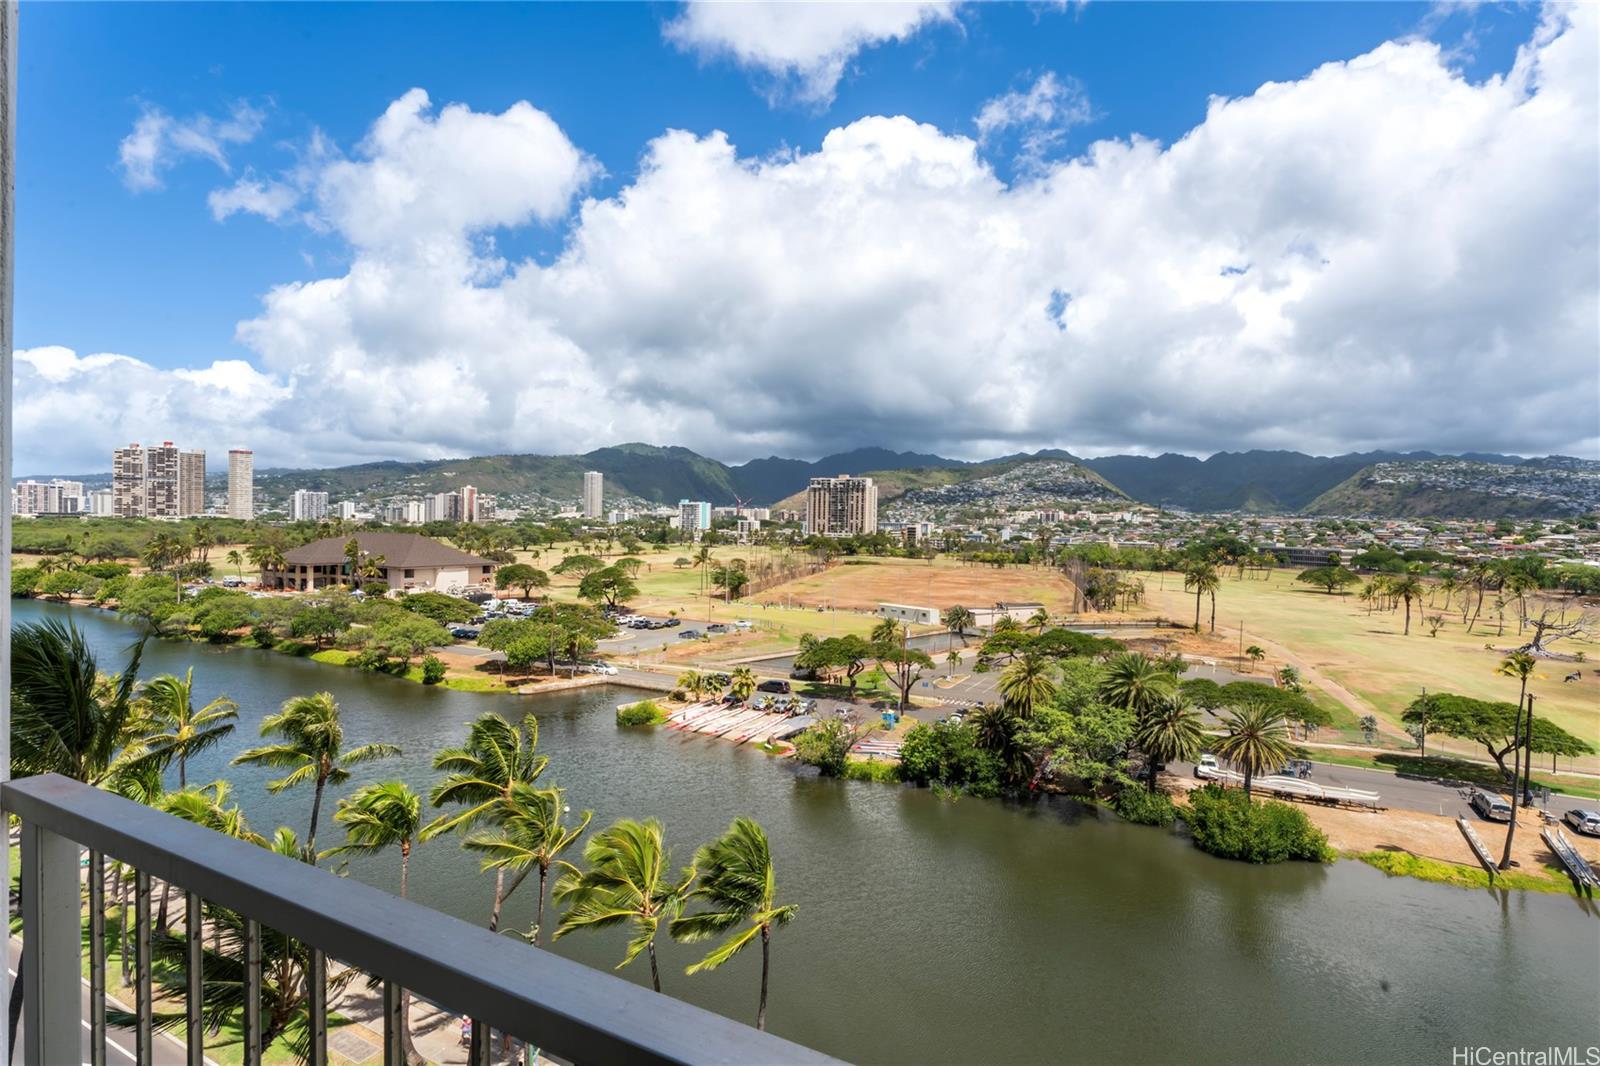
(192, 482)
(101, 503)
(694, 515)
(308, 506)
(161, 481)
(47, 497)
(469, 504)
(241, 483)
(841, 506)
(594, 484)
(127, 481)
(346, 509)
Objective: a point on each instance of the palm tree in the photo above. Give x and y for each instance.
(1201, 578)
(958, 619)
(951, 661)
(178, 729)
(743, 683)
(312, 750)
(996, 728)
(1255, 654)
(379, 816)
(1028, 684)
(237, 561)
(1135, 681)
(1407, 587)
(480, 778)
(693, 683)
(530, 837)
(1170, 731)
(1519, 664)
(628, 880)
(737, 887)
(66, 717)
(1039, 621)
(702, 561)
(1257, 740)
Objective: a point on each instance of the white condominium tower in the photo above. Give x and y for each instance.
(594, 483)
(309, 506)
(841, 506)
(241, 483)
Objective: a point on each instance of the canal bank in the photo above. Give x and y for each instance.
(970, 931)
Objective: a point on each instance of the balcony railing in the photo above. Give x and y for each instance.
(572, 1011)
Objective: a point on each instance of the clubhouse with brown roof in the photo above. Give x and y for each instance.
(407, 562)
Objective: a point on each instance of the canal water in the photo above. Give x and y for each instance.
(969, 931)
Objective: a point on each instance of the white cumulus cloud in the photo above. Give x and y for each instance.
(802, 46)
(158, 141)
(1379, 254)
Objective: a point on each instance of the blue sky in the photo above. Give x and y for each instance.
(151, 274)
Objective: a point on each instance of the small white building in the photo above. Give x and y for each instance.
(903, 612)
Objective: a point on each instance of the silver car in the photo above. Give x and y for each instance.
(1585, 822)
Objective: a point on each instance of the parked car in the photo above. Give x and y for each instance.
(1584, 821)
(671, 622)
(716, 627)
(743, 623)
(689, 634)
(1490, 807)
(1207, 766)
(464, 632)
(773, 685)
(478, 596)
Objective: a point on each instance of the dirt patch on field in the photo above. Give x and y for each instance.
(861, 586)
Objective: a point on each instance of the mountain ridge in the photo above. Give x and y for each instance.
(1254, 481)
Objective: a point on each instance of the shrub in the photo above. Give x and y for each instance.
(433, 670)
(887, 773)
(439, 607)
(825, 746)
(263, 634)
(949, 755)
(370, 658)
(1226, 823)
(105, 571)
(1143, 807)
(646, 712)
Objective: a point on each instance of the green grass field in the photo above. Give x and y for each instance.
(1368, 654)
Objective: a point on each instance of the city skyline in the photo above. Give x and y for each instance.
(1210, 281)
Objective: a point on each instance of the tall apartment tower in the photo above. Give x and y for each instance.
(694, 515)
(308, 506)
(469, 504)
(594, 484)
(127, 482)
(841, 506)
(241, 483)
(161, 481)
(192, 482)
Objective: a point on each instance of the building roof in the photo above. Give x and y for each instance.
(398, 549)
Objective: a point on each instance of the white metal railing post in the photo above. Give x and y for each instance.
(52, 932)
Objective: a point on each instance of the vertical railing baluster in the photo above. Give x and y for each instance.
(482, 1043)
(392, 1055)
(97, 959)
(52, 934)
(319, 1008)
(143, 992)
(252, 992)
(194, 976)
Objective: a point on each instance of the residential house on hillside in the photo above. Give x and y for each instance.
(406, 561)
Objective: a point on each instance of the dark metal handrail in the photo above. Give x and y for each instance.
(578, 1013)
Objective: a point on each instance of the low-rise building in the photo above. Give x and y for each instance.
(407, 562)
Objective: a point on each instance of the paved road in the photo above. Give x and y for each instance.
(120, 1043)
(1406, 793)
